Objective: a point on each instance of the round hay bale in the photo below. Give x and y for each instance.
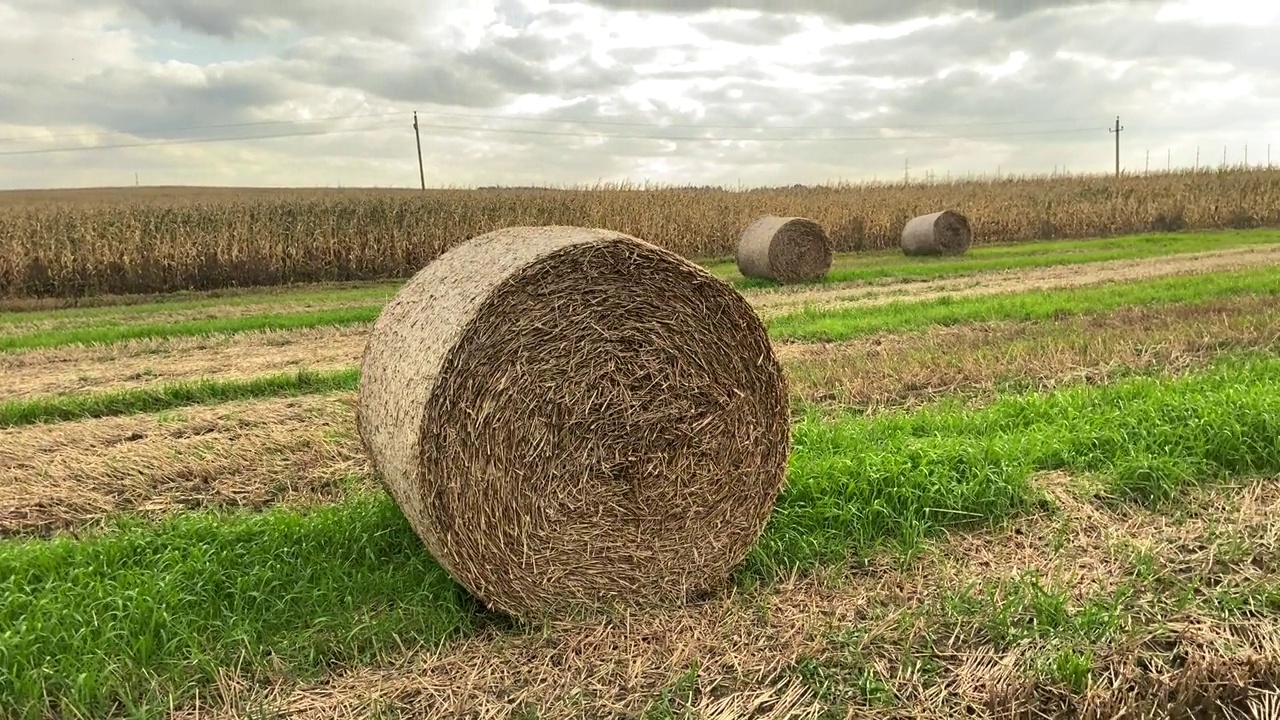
(941, 233)
(574, 419)
(785, 250)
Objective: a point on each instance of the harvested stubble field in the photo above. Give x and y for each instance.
(77, 244)
(1023, 483)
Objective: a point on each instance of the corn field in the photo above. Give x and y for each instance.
(67, 245)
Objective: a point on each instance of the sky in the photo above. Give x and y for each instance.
(578, 92)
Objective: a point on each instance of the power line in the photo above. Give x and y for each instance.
(196, 141)
(554, 133)
(705, 138)
(695, 126)
(571, 121)
(221, 126)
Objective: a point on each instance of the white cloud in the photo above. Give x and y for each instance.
(621, 89)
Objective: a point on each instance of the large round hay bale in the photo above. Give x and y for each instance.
(785, 250)
(942, 233)
(574, 419)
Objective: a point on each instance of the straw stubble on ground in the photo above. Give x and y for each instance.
(74, 474)
(772, 303)
(981, 620)
(140, 363)
(48, 321)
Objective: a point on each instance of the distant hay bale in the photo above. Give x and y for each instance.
(941, 233)
(785, 250)
(574, 419)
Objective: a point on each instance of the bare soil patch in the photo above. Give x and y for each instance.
(879, 641)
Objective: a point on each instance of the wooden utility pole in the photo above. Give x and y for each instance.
(422, 177)
(1117, 130)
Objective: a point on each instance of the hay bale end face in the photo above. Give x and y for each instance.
(941, 233)
(574, 419)
(785, 250)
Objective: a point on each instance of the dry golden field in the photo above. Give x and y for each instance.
(126, 241)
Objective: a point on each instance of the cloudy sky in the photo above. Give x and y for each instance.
(558, 92)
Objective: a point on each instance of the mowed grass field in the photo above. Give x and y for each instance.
(1037, 480)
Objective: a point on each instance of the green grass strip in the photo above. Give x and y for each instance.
(810, 323)
(113, 625)
(856, 481)
(835, 324)
(318, 293)
(104, 334)
(145, 614)
(167, 396)
(804, 325)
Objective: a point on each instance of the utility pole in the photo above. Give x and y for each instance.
(1168, 160)
(1117, 130)
(1146, 169)
(1197, 158)
(422, 178)
(906, 171)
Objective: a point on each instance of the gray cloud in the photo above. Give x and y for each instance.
(254, 18)
(124, 100)
(761, 30)
(341, 70)
(859, 11)
(484, 77)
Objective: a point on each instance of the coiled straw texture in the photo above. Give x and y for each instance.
(573, 419)
(785, 250)
(941, 233)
